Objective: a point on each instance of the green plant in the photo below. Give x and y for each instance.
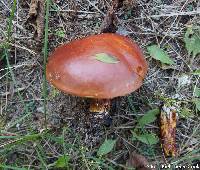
(192, 40)
(159, 54)
(45, 59)
(139, 133)
(106, 147)
(60, 33)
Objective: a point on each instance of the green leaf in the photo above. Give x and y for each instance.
(197, 102)
(60, 33)
(147, 138)
(197, 92)
(192, 42)
(103, 57)
(197, 72)
(62, 162)
(159, 54)
(106, 147)
(149, 117)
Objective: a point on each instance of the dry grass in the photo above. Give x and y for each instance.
(147, 22)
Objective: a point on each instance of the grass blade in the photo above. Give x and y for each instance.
(45, 59)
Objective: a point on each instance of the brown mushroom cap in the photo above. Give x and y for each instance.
(73, 68)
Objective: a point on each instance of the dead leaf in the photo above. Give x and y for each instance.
(168, 130)
(37, 14)
(33, 8)
(138, 162)
(109, 23)
(110, 20)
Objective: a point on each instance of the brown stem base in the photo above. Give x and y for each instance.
(100, 105)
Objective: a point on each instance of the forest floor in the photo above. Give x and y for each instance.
(68, 136)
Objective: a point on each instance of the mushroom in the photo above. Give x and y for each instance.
(100, 67)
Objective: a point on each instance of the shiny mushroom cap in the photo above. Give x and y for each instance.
(99, 66)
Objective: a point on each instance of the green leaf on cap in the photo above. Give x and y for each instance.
(103, 57)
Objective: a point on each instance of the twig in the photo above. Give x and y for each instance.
(71, 10)
(30, 63)
(172, 14)
(96, 8)
(15, 91)
(24, 48)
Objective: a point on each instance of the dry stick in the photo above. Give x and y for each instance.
(29, 63)
(95, 7)
(172, 14)
(15, 91)
(24, 48)
(71, 10)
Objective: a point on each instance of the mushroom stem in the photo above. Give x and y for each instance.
(100, 105)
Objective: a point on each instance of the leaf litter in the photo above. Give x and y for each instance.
(138, 162)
